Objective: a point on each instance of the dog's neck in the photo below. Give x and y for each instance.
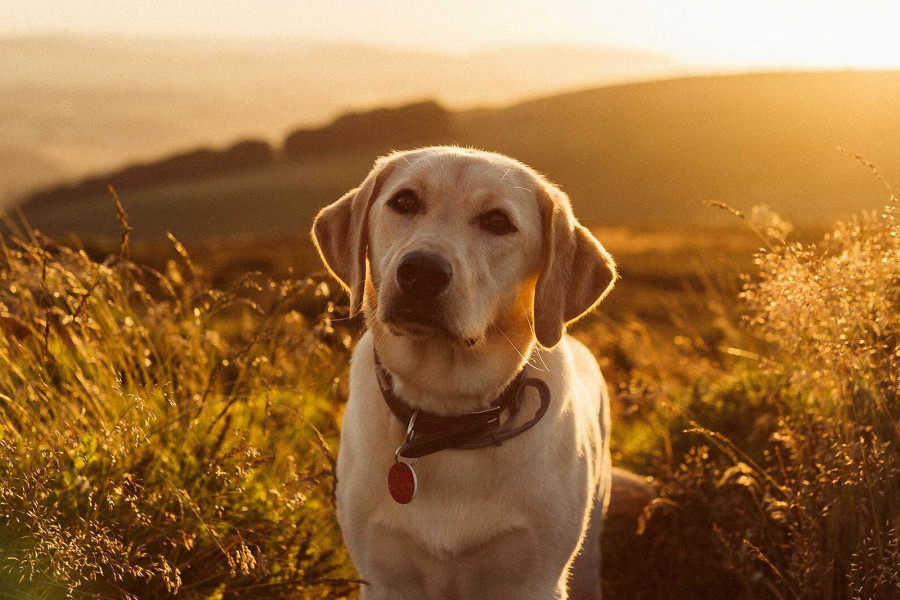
(442, 376)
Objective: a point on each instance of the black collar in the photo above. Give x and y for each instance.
(428, 433)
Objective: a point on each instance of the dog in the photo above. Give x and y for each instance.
(474, 457)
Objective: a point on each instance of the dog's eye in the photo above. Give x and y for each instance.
(496, 222)
(405, 202)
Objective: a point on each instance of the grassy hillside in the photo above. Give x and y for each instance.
(655, 151)
(637, 155)
(279, 198)
(76, 105)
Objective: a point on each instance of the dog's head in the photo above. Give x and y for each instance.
(462, 244)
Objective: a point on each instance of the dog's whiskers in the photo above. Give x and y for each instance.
(540, 355)
(340, 319)
(511, 343)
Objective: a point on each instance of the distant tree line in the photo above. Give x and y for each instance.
(385, 128)
(380, 130)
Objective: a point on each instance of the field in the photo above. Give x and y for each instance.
(173, 365)
(169, 414)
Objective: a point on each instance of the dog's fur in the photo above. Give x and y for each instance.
(503, 522)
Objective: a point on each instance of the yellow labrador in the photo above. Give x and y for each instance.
(474, 459)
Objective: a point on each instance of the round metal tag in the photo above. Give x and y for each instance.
(402, 482)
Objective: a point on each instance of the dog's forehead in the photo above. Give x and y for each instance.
(462, 178)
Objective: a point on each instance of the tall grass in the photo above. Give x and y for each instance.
(788, 485)
(159, 437)
(162, 437)
(832, 311)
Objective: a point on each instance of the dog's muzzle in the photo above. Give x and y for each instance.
(417, 306)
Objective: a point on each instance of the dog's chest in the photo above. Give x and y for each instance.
(463, 501)
(465, 498)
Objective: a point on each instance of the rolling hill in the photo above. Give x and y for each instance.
(646, 154)
(654, 152)
(75, 105)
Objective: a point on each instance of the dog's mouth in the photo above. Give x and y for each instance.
(423, 322)
(415, 320)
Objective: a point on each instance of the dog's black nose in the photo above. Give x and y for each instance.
(423, 275)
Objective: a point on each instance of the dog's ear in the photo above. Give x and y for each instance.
(340, 235)
(576, 270)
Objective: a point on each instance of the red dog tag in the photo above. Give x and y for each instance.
(402, 482)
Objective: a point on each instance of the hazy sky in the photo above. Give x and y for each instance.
(798, 33)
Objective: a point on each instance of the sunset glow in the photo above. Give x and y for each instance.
(738, 33)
